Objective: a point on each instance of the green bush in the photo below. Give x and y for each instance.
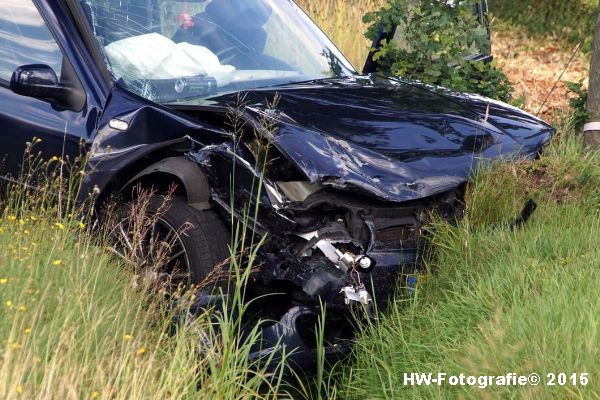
(578, 104)
(431, 43)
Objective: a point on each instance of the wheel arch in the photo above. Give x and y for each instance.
(190, 181)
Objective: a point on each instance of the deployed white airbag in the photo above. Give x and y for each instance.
(154, 56)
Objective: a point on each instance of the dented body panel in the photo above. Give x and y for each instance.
(375, 153)
(393, 140)
(385, 138)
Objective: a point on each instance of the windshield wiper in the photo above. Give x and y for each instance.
(315, 80)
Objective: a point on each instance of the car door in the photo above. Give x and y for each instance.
(26, 40)
(480, 12)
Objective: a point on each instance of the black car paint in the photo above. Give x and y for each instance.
(380, 149)
(393, 140)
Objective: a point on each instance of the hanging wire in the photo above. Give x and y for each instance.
(560, 77)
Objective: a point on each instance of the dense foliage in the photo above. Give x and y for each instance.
(431, 43)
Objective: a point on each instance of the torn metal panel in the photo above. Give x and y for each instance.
(146, 125)
(235, 180)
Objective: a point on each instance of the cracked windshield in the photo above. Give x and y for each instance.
(175, 51)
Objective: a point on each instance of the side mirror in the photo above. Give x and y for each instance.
(40, 81)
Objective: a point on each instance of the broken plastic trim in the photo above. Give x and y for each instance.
(526, 213)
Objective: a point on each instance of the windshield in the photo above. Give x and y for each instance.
(175, 51)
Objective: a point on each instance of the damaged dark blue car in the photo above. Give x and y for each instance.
(355, 162)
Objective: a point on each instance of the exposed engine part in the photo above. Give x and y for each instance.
(364, 262)
(528, 210)
(356, 294)
(298, 191)
(344, 261)
(350, 261)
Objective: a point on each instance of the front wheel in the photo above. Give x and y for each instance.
(170, 241)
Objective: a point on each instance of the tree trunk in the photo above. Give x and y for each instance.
(592, 131)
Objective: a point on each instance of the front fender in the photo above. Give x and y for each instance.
(193, 179)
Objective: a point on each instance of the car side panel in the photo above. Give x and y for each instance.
(60, 132)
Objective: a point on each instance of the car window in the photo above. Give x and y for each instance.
(25, 39)
(174, 51)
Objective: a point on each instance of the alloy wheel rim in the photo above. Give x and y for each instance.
(157, 254)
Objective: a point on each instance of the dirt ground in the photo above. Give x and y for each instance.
(534, 65)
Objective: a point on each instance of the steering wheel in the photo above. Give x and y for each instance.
(210, 32)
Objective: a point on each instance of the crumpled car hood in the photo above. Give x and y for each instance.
(395, 140)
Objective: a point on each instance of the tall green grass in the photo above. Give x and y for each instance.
(72, 325)
(499, 300)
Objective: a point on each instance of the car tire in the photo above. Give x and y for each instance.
(202, 234)
(205, 242)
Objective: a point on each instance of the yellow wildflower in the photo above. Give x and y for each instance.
(27, 330)
(12, 218)
(127, 337)
(22, 308)
(81, 225)
(57, 262)
(54, 158)
(141, 351)
(19, 389)
(3, 281)
(94, 395)
(59, 225)
(33, 218)
(9, 304)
